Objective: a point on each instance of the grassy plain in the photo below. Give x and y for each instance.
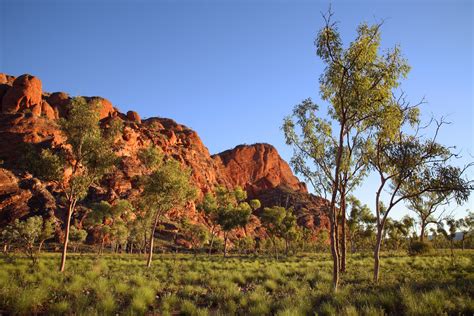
(179, 284)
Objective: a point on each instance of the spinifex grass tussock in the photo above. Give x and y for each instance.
(202, 285)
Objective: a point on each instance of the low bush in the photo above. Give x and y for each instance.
(417, 248)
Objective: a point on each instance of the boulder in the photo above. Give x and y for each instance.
(59, 101)
(26, 93)
(48, 111)
(134, 117)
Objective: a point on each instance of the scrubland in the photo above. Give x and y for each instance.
(183, 284)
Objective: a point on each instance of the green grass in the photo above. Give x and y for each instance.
(186, 285)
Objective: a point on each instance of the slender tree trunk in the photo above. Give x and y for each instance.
(145, 242)
(343, 240)
(378, 244)
(333, 213)
(5, 248)
(102, 243)
(335, 257)
(422, 234)
(275, 248)
(380, 226)
(225, 244)
(212, 242)
(152, 237)
(338, 246)
(40, 246)
(66, 235)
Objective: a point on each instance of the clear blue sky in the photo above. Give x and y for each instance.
(232, 70)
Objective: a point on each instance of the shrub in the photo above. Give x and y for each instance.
(419, 248)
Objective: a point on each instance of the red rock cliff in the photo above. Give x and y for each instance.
(29, 116)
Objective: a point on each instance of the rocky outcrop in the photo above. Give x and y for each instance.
(25, 94)
(23, 197)
(258, 168)
(134, 117)
(106, 108)
(59, 102)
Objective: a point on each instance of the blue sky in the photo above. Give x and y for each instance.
(232, 70)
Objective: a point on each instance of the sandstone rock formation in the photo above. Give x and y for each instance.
(134, 117)
(25, 94)
(257, 168)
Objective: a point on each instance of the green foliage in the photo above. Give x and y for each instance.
(86, 158)
(233, 217)
(228, 209)
(47, 232)
(168, 187)
(111, 221)
(196, 234)
(77, 236)
(89, 154)
(280, 223)
(151, 157)
(398, 233)
(255, 204)
(361, 225)
(26, 234)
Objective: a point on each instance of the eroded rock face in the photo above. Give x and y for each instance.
(25, 93)
(257, 168)
(60, 102)
(23, 197)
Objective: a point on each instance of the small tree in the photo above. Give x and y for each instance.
(426, 206)
(87, 156)
(167, 187)
(26, 234)
(196, 234)
(210, 208)
(399, 232)
(357, 81)
(279, 223)
(7, 236)
(360, 224)
(77, 237)
(110, 221)
(139, 229)
(449, 232)
(227, 208)
(47, 232)
(233, 212)
(409, 166)
(466, 226)
(272, 219)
